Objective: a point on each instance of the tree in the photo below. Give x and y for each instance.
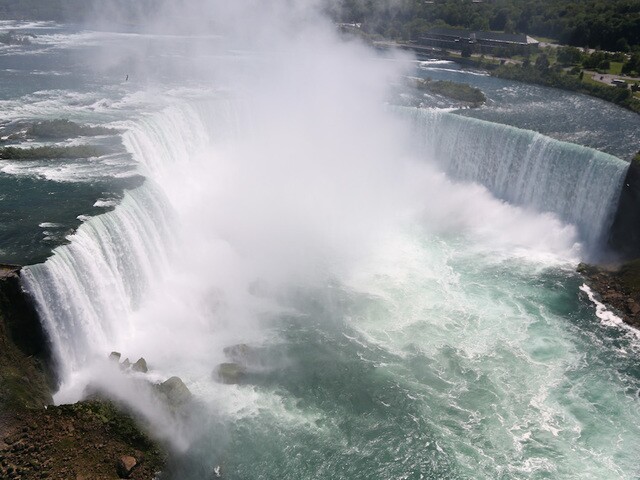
(569, 55)
(622, 45)
(542, 62)
(632, 65)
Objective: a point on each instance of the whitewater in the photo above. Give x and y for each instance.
(405, 277)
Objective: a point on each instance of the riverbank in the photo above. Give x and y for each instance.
(88, 440)
(541, 74)
(618, 287)
(549, 77)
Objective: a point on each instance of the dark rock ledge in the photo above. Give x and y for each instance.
(618, 287)
(94, 439)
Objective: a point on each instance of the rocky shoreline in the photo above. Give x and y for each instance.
(618, 286)
(94, 439)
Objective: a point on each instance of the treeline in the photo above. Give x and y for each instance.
(597, 60)
(604, 24)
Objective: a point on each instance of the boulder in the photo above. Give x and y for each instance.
(230, 373)
(175, 391)
(126, 364)
(634, 308)
(140, 366)
(115, 356)
(125, 466)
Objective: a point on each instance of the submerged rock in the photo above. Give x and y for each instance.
(230, 373)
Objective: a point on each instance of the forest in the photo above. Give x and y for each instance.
(612, 25)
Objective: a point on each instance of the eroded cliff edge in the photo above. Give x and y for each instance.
(94, 439)
(617, 283)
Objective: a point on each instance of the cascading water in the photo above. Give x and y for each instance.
(404, 325)
(105, 291)
(579, 184)
(87, 291)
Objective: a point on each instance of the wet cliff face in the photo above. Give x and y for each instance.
(624, 237)
(25, 357)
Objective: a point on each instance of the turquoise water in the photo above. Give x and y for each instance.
(405, 319)
(437, 362)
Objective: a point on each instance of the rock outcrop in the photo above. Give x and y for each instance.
(38, 440)
(624, 236)
(26, 376)
(125, 466)
(175, 392)
(140, 366)
(618, 287)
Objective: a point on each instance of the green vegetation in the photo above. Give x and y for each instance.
(612, 25)
(62, 129)
(37, 153)
(456, 91)
(23, 383)
(606, 24)
(630, 276)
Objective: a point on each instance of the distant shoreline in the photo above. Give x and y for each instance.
(512, 70)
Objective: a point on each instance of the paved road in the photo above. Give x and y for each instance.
(608, 78)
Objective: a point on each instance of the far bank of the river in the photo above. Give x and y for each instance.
(514, 70)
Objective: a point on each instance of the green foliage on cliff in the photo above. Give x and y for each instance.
(23, 383)
(456, 91)
(37, 153)
(629, 276)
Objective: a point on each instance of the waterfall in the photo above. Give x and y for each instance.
(579, 184)
(87, 290)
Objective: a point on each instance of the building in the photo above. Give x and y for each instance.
(478, 41)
